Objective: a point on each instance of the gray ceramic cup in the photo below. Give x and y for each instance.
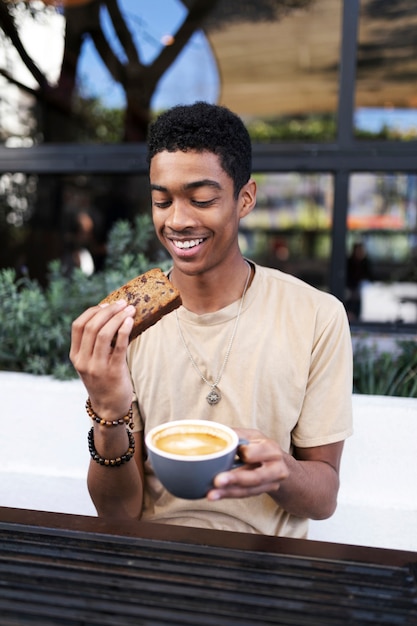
(186, 455)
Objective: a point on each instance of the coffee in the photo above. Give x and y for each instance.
(187, 454)
(190, 442)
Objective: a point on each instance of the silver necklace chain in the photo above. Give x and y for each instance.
(214, 395)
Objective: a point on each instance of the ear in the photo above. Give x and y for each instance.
(247, 198)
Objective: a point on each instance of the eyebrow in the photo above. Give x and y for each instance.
(205, 182)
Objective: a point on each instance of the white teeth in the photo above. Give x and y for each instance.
(188, 244)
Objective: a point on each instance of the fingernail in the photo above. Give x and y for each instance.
(222, 480)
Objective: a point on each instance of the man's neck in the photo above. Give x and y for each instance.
(213, 290)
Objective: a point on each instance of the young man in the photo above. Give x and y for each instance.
(251, 347)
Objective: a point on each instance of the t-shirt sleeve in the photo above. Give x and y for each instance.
(326, 414)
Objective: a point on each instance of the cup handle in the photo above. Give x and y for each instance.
(238, 461)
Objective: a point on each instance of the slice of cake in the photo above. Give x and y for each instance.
(152, 294)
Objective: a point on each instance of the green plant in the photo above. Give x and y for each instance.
(385, 373)
(35, 322)
(303, 128)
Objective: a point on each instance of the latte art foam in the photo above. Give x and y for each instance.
(190, 443)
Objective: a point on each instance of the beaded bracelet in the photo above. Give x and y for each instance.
(127, 419)
(124, 458)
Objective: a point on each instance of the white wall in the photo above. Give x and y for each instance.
(378, 493)
(45, 458)
(43, 444)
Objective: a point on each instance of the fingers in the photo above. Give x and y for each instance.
(93, 332)
(263, 472)
(99, 340)
(246, 483)
(77, 329)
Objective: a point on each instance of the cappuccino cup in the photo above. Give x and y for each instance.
(186, 455)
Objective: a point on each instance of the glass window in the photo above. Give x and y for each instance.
(282, 75)
(290, 227)
(91, 72)
(98, 75)
(382, 248)
(64, 217)
(68, 217)
(386, 102)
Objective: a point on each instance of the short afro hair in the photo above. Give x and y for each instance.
(205, 127)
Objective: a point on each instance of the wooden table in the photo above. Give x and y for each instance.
(71, 570)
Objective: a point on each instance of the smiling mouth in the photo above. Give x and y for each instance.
(186, 245)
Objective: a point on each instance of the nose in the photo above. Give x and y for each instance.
(180, 216)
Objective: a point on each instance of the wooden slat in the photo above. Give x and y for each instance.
(72, 577)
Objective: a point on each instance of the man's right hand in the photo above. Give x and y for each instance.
(100, 361)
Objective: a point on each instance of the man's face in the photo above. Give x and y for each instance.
(195, 213)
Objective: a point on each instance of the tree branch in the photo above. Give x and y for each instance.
(17, 83)
(122, 31)
(198, 12)
(9, 28)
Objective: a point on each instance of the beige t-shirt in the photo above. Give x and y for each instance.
(289, 375)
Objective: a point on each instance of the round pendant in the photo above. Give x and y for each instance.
(214, 396)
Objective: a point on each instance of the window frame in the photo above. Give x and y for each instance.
(341, 158)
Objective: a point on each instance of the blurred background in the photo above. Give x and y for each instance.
(326, 88)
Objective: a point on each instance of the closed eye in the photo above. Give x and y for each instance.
(202, 204)
(162, 204)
